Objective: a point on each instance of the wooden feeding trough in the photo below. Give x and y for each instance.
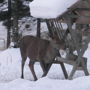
(78, 15)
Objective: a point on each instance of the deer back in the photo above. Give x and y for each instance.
(39, 49)
(33, 47)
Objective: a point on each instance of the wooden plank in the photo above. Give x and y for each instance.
(70, 61)
(64, 60)
(84, 16)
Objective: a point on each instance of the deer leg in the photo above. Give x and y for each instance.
(22, 67)
(47, 67)
(42, 63)
(31, 66)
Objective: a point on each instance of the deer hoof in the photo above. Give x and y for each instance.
(22, 77)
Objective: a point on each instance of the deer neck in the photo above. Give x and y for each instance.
(54, 45)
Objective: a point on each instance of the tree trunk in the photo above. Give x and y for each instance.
(15, 23)
(9, 23)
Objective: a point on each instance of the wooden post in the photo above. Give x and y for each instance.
(38, 27)
(9, 23)
(15, 23)
(49, 28)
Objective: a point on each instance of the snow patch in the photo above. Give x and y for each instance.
(49, 8)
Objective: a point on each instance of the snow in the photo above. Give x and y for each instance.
(47, 84)
(49, 8)
(10, 71)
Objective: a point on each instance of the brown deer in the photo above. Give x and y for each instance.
(40, 50)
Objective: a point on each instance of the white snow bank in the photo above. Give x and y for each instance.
(49, 8)
(10, 66)
(82, 83)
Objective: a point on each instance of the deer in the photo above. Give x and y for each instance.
(39, 50)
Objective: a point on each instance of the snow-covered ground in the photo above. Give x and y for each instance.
(10, 71)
